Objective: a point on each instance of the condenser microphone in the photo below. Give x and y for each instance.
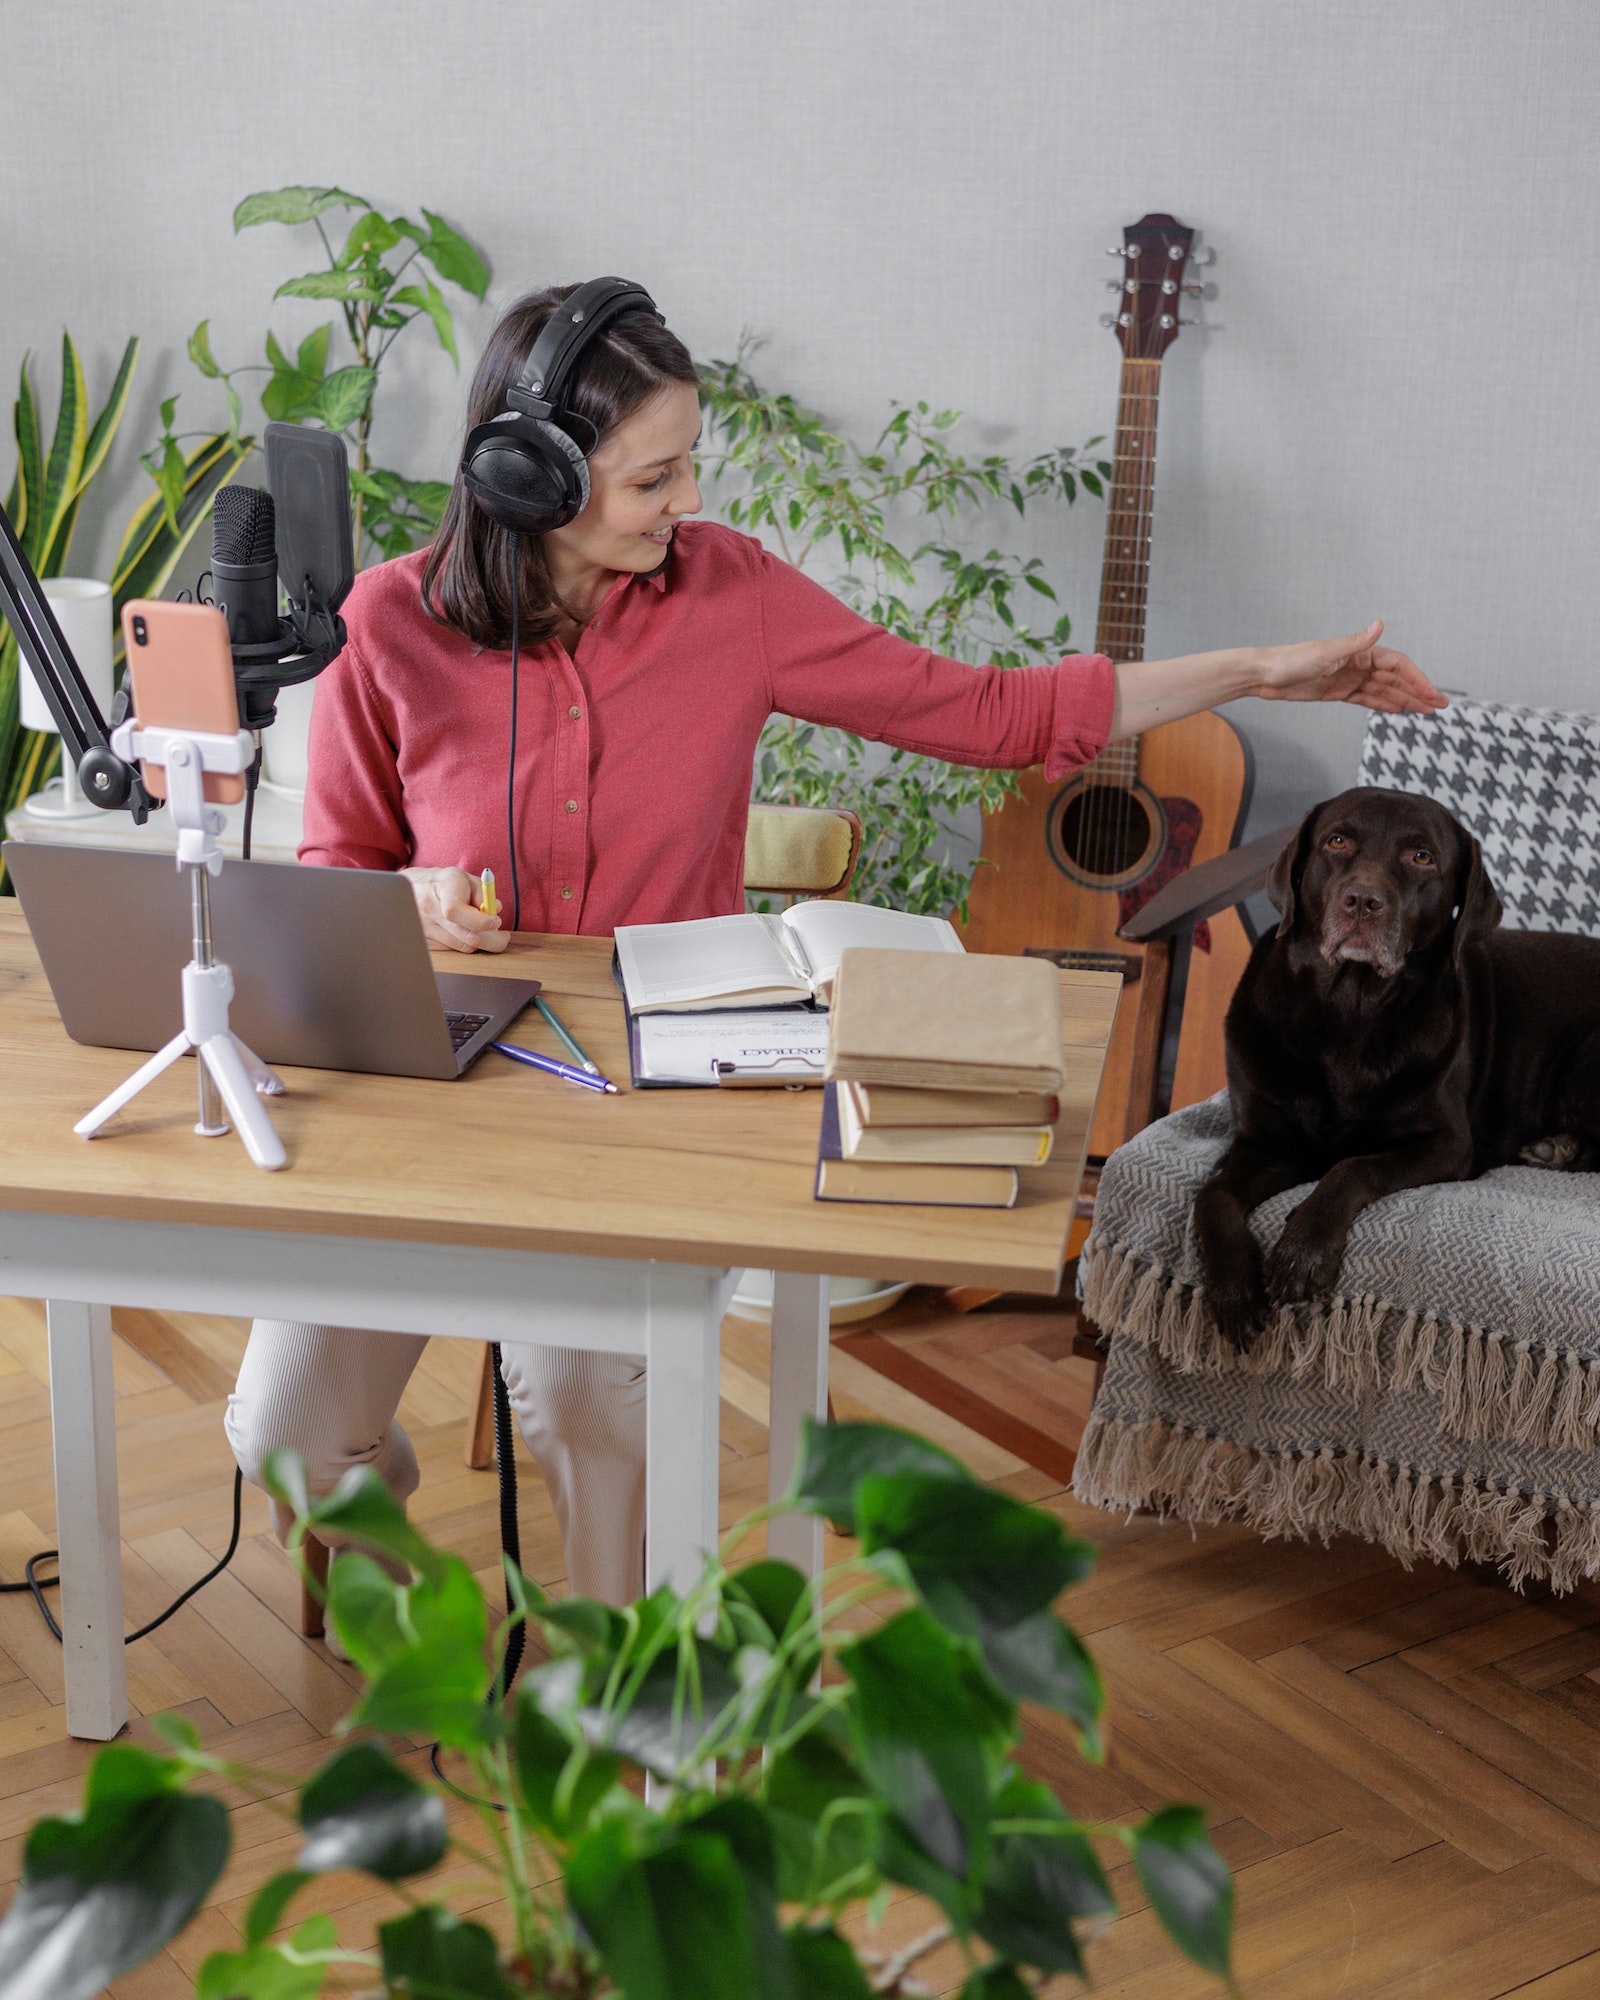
(244, 564)
(296, 532)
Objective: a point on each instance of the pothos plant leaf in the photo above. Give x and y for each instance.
(1042, 1660)
(995, 1982)
(822, 1965)
(294, 1971)
(824, 1819)
(920, 1735)
(980, 1560)
(670, 1919)
(360, 1508)
(835, 1458)
(432, 1954)
(362, 1811)
(434, 1688)
(561, 1776)
(105, 1890)
(1038, 1881)
(1188, 1884)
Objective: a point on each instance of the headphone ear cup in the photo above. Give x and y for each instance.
(578, 469)
(525, 473)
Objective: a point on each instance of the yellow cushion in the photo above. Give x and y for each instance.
(798, 850)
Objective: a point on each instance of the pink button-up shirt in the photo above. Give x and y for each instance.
(634, 754)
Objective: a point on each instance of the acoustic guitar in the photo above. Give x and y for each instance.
(1073, 862)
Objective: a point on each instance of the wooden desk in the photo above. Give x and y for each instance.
(504, 1206)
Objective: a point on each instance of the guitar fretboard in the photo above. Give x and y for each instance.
(1125, 574)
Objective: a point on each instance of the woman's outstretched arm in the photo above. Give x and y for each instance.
(1355, 669)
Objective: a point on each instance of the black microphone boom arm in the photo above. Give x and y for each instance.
(104, 777)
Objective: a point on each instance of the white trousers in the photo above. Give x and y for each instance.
(330, 1393)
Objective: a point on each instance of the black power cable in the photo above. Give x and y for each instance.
(510, 1528)
(511, 1545)
(37, 1585)
(252, 778)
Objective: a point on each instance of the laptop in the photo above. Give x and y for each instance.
(330, 969)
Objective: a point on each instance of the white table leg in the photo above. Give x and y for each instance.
(799, 1388)
(685, 1348)
(83, 1418)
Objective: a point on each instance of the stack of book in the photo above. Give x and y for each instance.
(943, 1076)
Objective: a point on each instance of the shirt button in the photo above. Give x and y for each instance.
(575, 713)
(572, 805)
(566, 895)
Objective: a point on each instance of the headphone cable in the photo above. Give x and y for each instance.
(511, 764)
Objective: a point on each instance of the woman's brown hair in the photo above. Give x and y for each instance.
(466, 581)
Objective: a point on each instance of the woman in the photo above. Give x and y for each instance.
(653, 648)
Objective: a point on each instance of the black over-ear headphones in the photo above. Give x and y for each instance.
(529, 469)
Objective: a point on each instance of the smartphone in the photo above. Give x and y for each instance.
(181, 667)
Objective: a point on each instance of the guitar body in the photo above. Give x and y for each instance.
(1066, 865)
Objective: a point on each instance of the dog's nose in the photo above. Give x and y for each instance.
(1364, 901)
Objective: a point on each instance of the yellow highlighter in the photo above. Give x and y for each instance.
(487, 901)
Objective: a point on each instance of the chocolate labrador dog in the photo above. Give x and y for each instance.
(1388, 1034)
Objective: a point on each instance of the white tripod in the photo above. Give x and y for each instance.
(229, 1073)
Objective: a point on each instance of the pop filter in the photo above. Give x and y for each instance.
(308, 476)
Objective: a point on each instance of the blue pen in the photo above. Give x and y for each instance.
(553, 1068)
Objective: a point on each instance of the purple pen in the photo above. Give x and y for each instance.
(553, 1068)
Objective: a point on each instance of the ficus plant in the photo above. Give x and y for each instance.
(811, 1749)
(383, 278)
(823, 499)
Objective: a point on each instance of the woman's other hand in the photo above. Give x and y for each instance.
(447, 902)
(1355, 669)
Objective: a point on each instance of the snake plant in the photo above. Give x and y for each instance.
(43, 504)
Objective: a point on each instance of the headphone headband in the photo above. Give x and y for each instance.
(576, 321)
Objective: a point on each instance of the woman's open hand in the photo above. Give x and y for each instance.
(1355, 669)
(447, 902)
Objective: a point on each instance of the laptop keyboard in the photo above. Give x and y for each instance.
(463, 1027)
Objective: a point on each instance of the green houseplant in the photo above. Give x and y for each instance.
(46, 493)
(805, 1761)
(819, 495)
(382, 278)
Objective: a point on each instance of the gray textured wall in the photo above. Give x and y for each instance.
(1393, 408)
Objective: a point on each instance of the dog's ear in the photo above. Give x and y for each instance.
(1478, 909)
(1283, 877)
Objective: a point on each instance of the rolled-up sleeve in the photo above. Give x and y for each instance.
(826, 664)
(353, 815)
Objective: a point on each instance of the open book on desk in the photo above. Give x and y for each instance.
(759, 960)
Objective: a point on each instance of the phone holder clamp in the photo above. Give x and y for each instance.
(231, 1076)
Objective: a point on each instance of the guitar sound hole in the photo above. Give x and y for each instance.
(1103, 830)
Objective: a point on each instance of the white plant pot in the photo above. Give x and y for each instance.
(286, 745)
(849, 1299)
(82, 608)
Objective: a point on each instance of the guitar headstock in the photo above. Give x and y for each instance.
(1155, 255)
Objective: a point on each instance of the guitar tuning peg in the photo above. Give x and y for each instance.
(1183, 321)
(1113, 284)
(1202, 259)
(1196, 291)
(1115, 250)
(1108, 319)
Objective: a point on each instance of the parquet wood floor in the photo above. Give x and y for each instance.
(1403, 1770)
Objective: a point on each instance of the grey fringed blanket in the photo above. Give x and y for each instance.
(1445, 1404)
